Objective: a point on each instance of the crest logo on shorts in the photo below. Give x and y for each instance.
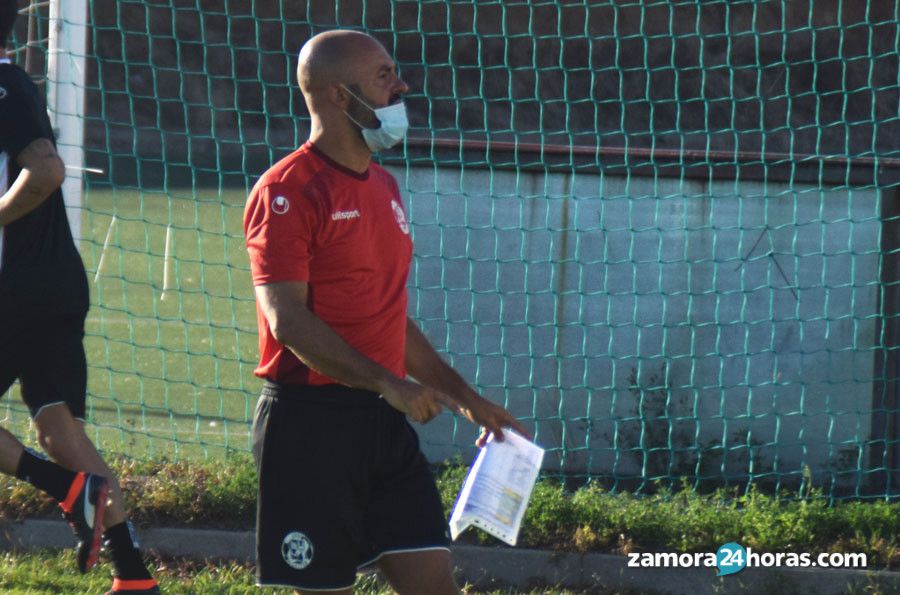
(401, 217)
(280, 205)
(297, 550)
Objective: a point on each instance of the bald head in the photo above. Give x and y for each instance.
(333, 57)
(346, 77)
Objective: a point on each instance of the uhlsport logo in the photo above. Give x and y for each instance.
(401, 217)
(297, 550)
(344, 215)
(280, 205)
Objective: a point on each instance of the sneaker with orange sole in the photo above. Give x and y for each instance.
(84, 508)
(134, 587)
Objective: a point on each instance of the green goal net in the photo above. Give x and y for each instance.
(664, 234)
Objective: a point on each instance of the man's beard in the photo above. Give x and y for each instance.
(362, 113)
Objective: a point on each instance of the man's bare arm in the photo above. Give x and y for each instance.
(425, 365)
(284, 306)
(42, 173)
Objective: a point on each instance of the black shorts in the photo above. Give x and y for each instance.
(47, 356)
(341, 482)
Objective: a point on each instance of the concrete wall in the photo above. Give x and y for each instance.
(753, 306)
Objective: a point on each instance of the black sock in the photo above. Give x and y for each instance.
(45, 475)
(124, 553)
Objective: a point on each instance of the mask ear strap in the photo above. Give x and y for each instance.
(352, 119)
(357, 97)
(346, 113)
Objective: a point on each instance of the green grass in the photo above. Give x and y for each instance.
(169, 375)
(47, 572)
(222, 495)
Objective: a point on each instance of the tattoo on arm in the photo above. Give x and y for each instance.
(46, 171)
(42, 173)
(37, 151)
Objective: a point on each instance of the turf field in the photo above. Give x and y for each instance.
(171, 335)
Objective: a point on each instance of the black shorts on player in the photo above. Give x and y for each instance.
(47, 356)
(342, 482)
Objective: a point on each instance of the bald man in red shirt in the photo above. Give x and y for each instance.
(343, 484)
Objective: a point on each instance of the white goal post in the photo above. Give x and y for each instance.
(67, 47)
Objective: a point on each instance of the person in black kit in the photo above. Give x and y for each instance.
(43, 304)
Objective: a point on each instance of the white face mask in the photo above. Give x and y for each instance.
(394, 124)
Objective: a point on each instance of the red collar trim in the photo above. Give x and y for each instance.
(332, 163)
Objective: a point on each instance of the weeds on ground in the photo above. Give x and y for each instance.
(594, 519)
(222, 494)
(49, 573)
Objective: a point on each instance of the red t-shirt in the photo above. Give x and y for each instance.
(346, 235)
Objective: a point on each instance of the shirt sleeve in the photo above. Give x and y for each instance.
(20, 116)
(280, 226)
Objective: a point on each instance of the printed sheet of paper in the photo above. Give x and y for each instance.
(496, 491)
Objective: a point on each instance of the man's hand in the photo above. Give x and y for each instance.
(492, 418)
(425, 365)
(419, 402)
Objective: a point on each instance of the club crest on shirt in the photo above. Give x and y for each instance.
(280, 205)
(297, 550)
(2, 92)
(401, 217)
